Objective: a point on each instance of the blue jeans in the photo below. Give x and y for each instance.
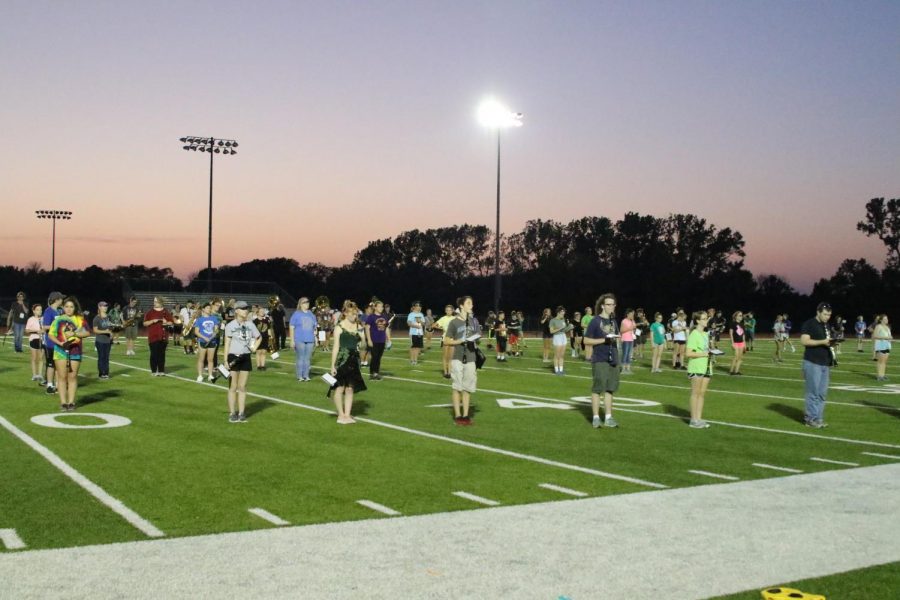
(627, 347)
(816, 377)
(304, 352)
(18, 331)
(103, 358)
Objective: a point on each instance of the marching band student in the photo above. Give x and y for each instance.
(523, 341)
(206, 330)
(363, 318)
(348, 333)
(749, 330)
(699, 368)
(679, 337)
(626, 328)
(500, 335)
(187, 328)
(658, 333)
(132, 314)
(881, 335)
(600, 337)
(263, 324)
(546, 335)
(559, 327)
(585, 321)
(429, 328)
(102, 339)
(16, 319)
(577, 334)
(115, 315)
(642, 327)
(817, 362)
(52, 311)
(242, 338)
(376, 337)
(156, 320)
(787, 333)
(736, 331)
(446, 350)
(778, 338)
(860, 327)
(463, 375)
(515, 332)
(390, 317)
(34, 332)
(67, 331)
(416, 322)
(303, 337)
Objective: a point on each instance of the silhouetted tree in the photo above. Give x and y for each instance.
(883, 221)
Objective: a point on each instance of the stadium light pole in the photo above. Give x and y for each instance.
(54, 215)
(494, 115)
(212, 145)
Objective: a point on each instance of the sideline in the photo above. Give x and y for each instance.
(532, 551)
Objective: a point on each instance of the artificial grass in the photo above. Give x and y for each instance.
(871, 583)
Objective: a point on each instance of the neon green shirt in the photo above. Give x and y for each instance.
(698, 342)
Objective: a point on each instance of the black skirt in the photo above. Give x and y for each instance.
(348, 373)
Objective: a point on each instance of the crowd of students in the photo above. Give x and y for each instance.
(358, 337)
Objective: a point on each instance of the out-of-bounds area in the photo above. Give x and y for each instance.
(148, 491)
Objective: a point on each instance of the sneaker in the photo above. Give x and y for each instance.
(199, 378)
(51, 389)
(610, 422)
(596, 422)
(699, 424)
(466, 421)
(815, 424)
(446, 375)
(241, 418)
(34, 377)
(233, 418)
(63, 408)
(104, 377)
(42, 382)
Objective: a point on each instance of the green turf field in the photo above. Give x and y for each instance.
(182, 469)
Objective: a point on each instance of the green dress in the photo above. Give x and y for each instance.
(347, 363)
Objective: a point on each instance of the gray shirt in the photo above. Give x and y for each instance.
(460, 330)
(242, 336)
(102, 323)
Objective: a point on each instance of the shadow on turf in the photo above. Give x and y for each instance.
(677, 411)
(257, 406)
(98, 396)
(888, 410)
(791, 412)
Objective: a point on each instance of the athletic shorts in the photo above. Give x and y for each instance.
(501, 344)
(239, 362)
(560, 339)
(60, 354)
(695, 375)
(34, 344)
(681, 342)
(416, 341)
(131, 332)
(513, 338)
(606, 378)
(48, 354)
(882, 352)
(462, 376)
(738, 345)
(213, 343)
(750, 335)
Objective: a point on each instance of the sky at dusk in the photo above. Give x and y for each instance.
(356, 121)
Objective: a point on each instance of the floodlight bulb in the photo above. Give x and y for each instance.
(492, 113)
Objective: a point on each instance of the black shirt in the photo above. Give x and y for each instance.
(818, 355)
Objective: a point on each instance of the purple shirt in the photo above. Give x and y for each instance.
(377, 327)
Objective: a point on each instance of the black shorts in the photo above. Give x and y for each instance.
(35, 344)
(696, 375)
(416, 341)
(882, 352)
(240, 362)
(681, 342)
(501, 344)
(48, 354)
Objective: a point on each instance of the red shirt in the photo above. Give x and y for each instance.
(156, 332)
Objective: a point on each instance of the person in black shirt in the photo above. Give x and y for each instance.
(737, 332)
(817, 358)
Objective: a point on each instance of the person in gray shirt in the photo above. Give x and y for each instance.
(242, 338)
(103, 339)
(462, 363)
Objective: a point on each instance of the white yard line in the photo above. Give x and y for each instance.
(563, 490)
(834, 462)
(714, 475)
(776, 468)
(267, 516)
(92, 488)
(379, 507)
(11, 539)
(478, 499)
(893, 456)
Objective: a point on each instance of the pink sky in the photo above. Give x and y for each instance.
(356, 122)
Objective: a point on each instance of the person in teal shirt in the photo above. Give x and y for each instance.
(749, 329)
(658, 333)
(699, 370)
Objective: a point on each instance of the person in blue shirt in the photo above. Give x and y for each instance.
(206, 331)
(416, 322)
(51, 312)
(302, 337)
(860, 328)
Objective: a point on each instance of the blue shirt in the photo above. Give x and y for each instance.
(47, 320)
(207, 326)
(304, 324)
(416, 322)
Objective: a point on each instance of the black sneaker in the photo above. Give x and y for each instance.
(242, 418)
(446, 375)
(51, 389)
(233, 418)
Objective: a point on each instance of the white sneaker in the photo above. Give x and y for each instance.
(199, 378)
(596, 422)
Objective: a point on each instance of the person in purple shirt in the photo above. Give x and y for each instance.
(376, 337)
(303, 337)
(52, 310)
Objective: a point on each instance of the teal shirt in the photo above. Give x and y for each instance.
(659, 333)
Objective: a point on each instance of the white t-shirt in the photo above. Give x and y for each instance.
(679, 336)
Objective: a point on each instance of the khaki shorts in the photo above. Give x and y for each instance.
(131, 332)
(462, 376)
(606, 378)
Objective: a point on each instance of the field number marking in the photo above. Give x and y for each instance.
(774, 468)
(379, 507)
(475, 498)
(11, 539)
(109, 421)
(563, 490)
(267, 516)
(715, 475)
(834, 462)
(895, 457)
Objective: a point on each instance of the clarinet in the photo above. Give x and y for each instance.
(834, 360)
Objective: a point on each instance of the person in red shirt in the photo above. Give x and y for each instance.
(156, 320)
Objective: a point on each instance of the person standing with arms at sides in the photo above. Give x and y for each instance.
(787, 333)
(860, 328)
(778, 338)
(242, 338)
(302, 337)
(600, 337)
(103, 339)
(363, 318)
(446, 350)
(429, 328)
(749, 330)
(67, 332)
(501, 335)
(642, 326)
(514, 329)
(16, 320)
(881, 336)
(679, 337)
(277, 315)
(156, 320)
(699, 368)
(658, 335)
(559, 329)
(53, 309)
(115, 316)
(132, 314)
(577, 334)
(34, 332)
(464, 379)
(390, 317)
(187, 327)
(626, 328)
(489, 325)
(206, 330)
(376, 337)
(263, 323)
(348, 333)
(737, 333)
(585, 321)
(416, 322)
(546, 335)
(817, 360)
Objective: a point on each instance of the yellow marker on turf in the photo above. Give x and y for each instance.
(783, 593)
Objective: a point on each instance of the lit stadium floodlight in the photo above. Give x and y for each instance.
(493, 114)
(54, 215)
(213, 146)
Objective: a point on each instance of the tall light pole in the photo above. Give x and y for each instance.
(54, 215)
(213, 146)
(495, 115)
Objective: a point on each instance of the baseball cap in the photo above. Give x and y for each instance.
(241, 304)
(102, 303)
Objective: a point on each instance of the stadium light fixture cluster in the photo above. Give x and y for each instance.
(62, 215)
(209, 144)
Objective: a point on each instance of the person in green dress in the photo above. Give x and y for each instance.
(348, 333)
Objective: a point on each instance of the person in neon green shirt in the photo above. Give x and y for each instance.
(699, 369)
